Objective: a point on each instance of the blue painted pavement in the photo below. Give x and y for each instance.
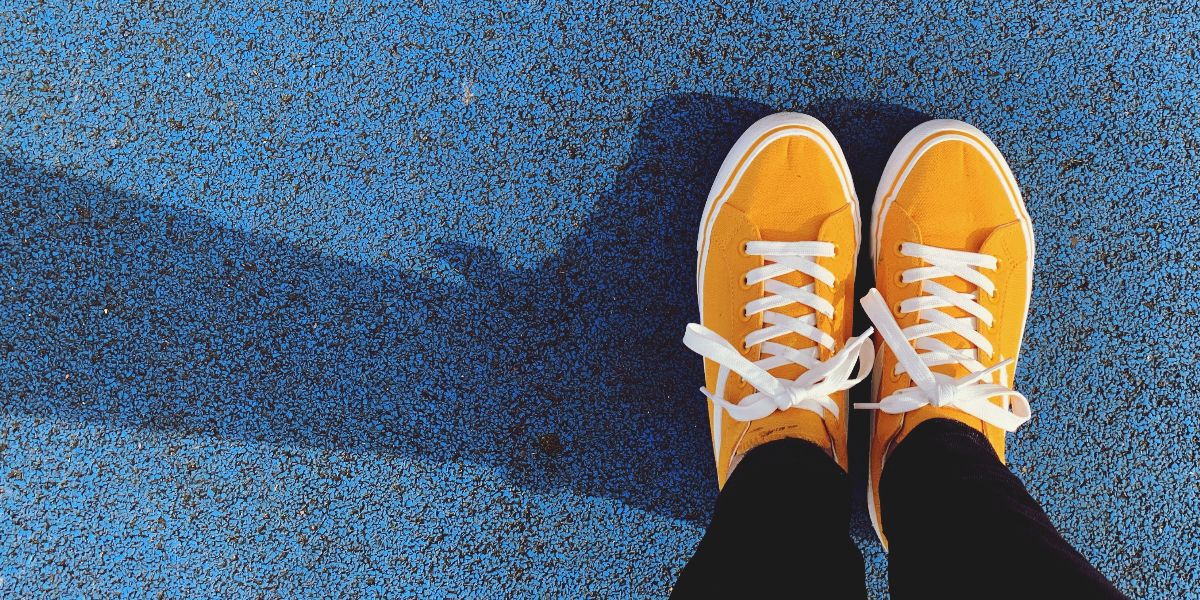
(362, 299)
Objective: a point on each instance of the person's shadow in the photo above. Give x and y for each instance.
(570, 375)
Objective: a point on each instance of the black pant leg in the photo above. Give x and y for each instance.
(960, 525)
(780, 530)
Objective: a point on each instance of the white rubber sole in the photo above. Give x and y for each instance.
(911, 147)
(757, 137)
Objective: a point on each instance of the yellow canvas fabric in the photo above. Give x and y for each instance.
(953, 197)
(789, 191)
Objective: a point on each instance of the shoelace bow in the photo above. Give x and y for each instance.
(813, 389)
(970, 393)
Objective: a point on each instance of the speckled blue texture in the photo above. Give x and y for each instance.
(362, 299)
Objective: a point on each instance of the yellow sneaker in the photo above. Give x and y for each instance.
(775, 283)
(953, 251)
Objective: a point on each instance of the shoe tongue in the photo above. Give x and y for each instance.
(799, 424)
(793, 340)
(794, 310)
(829, 229)
(975, 242)
(954, 340)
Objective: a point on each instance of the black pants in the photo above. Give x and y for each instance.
(959, 525)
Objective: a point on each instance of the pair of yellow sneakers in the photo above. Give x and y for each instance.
(952, 246)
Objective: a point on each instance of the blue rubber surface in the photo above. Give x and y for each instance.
(360, 299)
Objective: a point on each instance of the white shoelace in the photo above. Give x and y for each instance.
(814, 388)
(970, 393)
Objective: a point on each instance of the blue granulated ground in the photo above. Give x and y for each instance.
(369, 299)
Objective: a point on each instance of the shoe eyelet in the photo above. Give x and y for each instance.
(744, 249)
(893, 376)
(896, 309)
(745, 316)
(745, 282)
(900, 249)
(900, 280)
(835, 250)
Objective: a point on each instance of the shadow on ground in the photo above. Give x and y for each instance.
(567, 376)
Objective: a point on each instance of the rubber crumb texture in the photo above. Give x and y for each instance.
(384, 299)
